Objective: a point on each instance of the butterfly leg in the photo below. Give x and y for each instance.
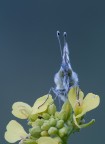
(54, 91)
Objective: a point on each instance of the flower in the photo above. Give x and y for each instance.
(82, 105)
(24, 111)
(15, 132)
(47, 125)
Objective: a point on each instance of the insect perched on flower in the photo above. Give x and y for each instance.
(65, 78)
(46, 123)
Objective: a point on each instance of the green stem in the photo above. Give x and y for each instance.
(65, 140)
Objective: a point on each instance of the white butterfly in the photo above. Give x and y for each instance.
(65, 78)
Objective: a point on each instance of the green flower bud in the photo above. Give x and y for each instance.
(29, 141)
(38, 122)
(67, 108)
(63, 131)
(52, 116)
(62, 115)
(69, 123)
(46, 116)
(52, 131)
(33, 138)
(30, 122)
(60, 124)
(58, 140)
(57, 119)
(56, 114)
(46, 121)
(45, 126)
(52, 109)
(44, 133)
(52, 122)
(33, 117)
(35, 131)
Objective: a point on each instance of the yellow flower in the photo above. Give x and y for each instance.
(47, 140)
(82, 105)
(21, 110)
(41, 104)
(15, 132)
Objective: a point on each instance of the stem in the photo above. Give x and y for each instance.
(65, 140)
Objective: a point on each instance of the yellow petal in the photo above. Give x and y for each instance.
(14, 132)
(21, 110)
(41, 104)
(67, 108)
(91, 101)
(72, 96)
(75, 121)
(83, 125)
(47, 140)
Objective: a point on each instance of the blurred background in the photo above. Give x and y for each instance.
(30, 55)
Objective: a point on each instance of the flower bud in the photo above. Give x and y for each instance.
(58, 140)
(33, 138)
(63, 131)
(46, 121)
(35, 131)
(52, 109)
(67, 108)
(52, 122)
(62, 115)
(52, 131)
(38, 122)
(46, 116)
(30, 122)
(69, 123)
(56, 114)
(33, 117)
(60, 124)
(45, 126)
(44, 133)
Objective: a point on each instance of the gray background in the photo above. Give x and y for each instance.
(30, 56)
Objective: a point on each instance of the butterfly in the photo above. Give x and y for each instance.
(65, 78)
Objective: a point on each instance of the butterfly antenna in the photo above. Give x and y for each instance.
(58, 36)
(65, 35)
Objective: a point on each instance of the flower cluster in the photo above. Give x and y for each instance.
(46, 124)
